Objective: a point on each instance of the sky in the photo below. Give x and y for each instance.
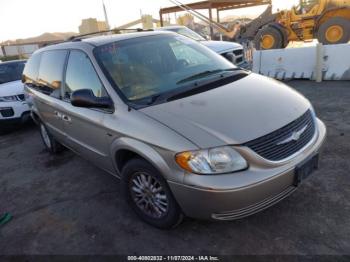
(29, 18)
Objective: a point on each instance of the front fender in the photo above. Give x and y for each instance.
(341, 11)
(165, 164)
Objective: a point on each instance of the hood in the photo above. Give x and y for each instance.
(221, 46)
(12, 88)
(232, 114)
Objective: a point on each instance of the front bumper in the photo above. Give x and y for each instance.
(17, 108)
(233, 196)
(245, 65)
(14, 112)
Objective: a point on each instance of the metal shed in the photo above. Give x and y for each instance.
(219, 5)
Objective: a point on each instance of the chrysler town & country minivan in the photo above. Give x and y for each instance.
(186, 131)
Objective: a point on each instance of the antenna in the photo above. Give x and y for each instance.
(106, 17)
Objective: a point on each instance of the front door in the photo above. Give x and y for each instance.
(84, 127)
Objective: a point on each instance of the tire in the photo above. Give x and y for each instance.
(340, 32)
(274, 38)
(162, 210)
(49, 141)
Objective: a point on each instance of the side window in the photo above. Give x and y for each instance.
(51, 72)
(31, 70)
(82, 75)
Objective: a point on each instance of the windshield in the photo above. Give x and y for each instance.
(11, 72)
(187, 32)
(145, 67)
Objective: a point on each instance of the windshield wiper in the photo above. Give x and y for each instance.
(146, 101)
(153, 99)
(205, 74)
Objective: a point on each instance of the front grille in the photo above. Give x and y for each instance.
(21, 97)
(238, 52)
(234, 56)
(275, 146)
(7, 112)
(239, 60)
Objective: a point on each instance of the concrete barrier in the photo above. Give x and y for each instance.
(330, 62)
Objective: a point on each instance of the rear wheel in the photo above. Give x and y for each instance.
(49, 141)
(268, 37)
(336, 30)
(149, 195)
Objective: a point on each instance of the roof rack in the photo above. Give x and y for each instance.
(113, 31)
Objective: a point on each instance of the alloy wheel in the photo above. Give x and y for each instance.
(149, 195)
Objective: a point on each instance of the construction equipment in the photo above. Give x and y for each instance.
(223, 30)
(210, 5)
(326, 20)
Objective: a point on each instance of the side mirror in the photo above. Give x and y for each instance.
(86, 98)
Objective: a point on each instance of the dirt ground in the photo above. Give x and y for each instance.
(64, 205)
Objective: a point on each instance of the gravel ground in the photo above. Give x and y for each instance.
(65, 205)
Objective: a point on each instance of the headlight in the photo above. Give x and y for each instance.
(212, 161)
(8, 98)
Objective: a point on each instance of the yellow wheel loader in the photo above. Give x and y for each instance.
(326, 20)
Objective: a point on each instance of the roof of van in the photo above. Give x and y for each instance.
(101, 40)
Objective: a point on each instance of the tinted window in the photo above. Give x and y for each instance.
(51, 72)
(31, 69)
(82, 75)
(11, 72)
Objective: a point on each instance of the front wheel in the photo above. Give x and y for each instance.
(149, 195)
(268, 37)
(336, 30)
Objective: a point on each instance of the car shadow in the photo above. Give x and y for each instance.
(14, 128)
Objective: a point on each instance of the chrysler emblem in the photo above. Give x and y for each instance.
(294, 137)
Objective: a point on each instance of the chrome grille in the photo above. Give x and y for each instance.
(285, 141)
(238, 52)
(235, 56)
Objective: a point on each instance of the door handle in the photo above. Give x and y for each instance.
(66, 118)
(58, 114)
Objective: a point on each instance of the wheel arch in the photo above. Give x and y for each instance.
(124, 149)
(343, 12)
(35, 116)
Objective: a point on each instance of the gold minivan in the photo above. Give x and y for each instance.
(186, 131)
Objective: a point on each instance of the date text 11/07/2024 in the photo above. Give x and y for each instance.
(173, 258)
